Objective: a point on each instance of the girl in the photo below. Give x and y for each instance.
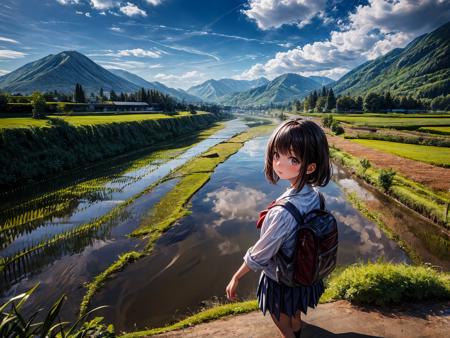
(297, 151)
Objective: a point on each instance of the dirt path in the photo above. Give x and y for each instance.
(434, 177)
(338, 319)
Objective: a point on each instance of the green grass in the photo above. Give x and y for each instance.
(201, 317)
(393, 122)
(387, 284)
(429, 154)
(27, 122)
(436, 130)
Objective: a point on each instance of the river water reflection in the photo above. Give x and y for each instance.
(193, 261)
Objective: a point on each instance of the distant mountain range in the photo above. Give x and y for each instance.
(283, 89)
(421, 68)
(62, 71)
(214, 90)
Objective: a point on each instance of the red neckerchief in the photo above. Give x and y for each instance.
(263, 213)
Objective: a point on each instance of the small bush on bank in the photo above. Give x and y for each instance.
(388, 284)
(337, 128)
(386, 178)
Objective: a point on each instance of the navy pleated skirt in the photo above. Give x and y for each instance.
(278, 298)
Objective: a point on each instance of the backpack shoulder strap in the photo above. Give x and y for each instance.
(291, 209)
(322, 201)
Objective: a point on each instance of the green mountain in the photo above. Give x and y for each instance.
(283, 89)
(142, 83)
(61, 72)
(214, 90)
(422, 68)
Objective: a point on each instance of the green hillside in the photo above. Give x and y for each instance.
(422, 68)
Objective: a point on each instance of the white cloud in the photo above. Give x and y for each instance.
(116, 29)
(87, 14)
(79, 12)
(103, 4)
(139, 52)
(373, 30)
(132, 10)
(154, 2)
(102, 13)
(275, 13)
(2, 38)
(192, 75)
(10, 54)
(68, 2)
(242, 203)
(129, 65)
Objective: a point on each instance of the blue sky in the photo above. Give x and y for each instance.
(185, 42)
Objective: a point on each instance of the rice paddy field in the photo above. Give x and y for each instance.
(28, 122)
(403, 121)
(436, 130)
(434, 155)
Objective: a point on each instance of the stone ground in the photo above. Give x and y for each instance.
(338, 319)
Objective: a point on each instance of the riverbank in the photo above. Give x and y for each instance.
(30, 154)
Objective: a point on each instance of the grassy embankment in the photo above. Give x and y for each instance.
(431, 204)
(436, 130)
(373, 284)
(31, 154)
(174, 205)
(83, 120)
(32, 213)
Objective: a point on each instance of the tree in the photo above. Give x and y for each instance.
(3, 101)
(320, 104)
(39, 104)
(112, 95)
(331, 101)
(78, 95)
(372, 103)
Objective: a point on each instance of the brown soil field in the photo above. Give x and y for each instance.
(437, 178)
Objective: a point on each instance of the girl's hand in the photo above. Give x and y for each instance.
(231, 289)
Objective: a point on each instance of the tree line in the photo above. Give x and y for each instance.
(325, 101)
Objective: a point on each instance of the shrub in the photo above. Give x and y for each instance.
(337, 128)
(385, 284)
(327, 120)
(38, 102)
(365, 163)
(386, 178)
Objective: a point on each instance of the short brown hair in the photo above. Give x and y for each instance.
(308, 142)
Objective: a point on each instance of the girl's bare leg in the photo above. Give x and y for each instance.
(284, 325)
(296, 321)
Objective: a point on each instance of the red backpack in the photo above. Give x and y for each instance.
(316, 244)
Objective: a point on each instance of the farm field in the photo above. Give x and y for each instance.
(27, 122)
(436, 130)
(395, 122)
(429, 154)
